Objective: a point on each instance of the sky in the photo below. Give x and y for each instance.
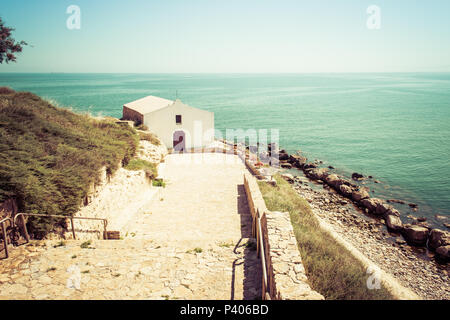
(230, 36)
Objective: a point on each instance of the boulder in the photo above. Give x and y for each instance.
(394, 223)
(282, 156)
(317, 173)
(297, 161)
(288, 177)
(357, 176)
(392, 212)
(382, 208)
(371, 204)
(416, 235)
(361, 194)
(309, 165)
(397, 201)
(443, 252)
(286, 165)
(332, 180)
(438, 238)
(345, 190)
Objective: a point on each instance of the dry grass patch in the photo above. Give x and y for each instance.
(331, 269)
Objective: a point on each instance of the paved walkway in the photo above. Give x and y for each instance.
(191, 243)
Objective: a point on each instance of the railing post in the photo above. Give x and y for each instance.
(5, 239)
(73, 229)
(24, 227)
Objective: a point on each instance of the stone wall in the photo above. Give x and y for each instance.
(130, 114)
(286, 276)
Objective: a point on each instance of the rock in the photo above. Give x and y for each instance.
(447, 225)
(392, 212)
(396, 201)
(382, 208)
(331, 167)
(332, 180)
(297, 161)
(394, 223)
(283, 156)
(376, 181)
(309, 165)
(288, 177)
(438, 238)
(443, 252)
(345, 190)
(371, 204)
(412, 205)
(286, 165)
(416, 235)
(361, 194)
(357, 176)
(317, 173)
(421, 219)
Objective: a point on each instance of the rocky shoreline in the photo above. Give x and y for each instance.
(414, 253)
(418, 233)
(412, 266)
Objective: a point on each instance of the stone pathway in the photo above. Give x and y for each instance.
(192, 243)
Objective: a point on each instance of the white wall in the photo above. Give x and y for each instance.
(162, 122)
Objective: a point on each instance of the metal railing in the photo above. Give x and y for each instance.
(5, 235)
(27, 237)
(14, 225)
(260, 250)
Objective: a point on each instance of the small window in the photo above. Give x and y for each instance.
(178, 119)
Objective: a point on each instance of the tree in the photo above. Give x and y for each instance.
(8, 45)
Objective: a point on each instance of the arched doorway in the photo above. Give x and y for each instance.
(179, 141)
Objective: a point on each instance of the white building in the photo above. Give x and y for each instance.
(178, 125)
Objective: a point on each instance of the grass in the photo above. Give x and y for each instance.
(159, 183)
(86, 244)
(138, 164)
(50, 156)
(196, 250)
(149, 137)
(331, 269)
(226, 244)
(60, 244)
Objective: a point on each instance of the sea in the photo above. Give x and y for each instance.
(392, 126)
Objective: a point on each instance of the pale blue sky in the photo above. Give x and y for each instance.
(196, 36)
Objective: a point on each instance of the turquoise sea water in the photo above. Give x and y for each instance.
(395, 127)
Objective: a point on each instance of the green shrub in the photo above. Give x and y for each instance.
(159, 183)
(139, 164)
(50, 156)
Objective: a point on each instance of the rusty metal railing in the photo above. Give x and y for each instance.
(5, 235)
(27, 237)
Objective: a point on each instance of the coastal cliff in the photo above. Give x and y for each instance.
(51, 157)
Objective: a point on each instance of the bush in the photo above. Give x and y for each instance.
(159, 183)
(139, 164)
(331, 269)
(49, 156)
(149, 137)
